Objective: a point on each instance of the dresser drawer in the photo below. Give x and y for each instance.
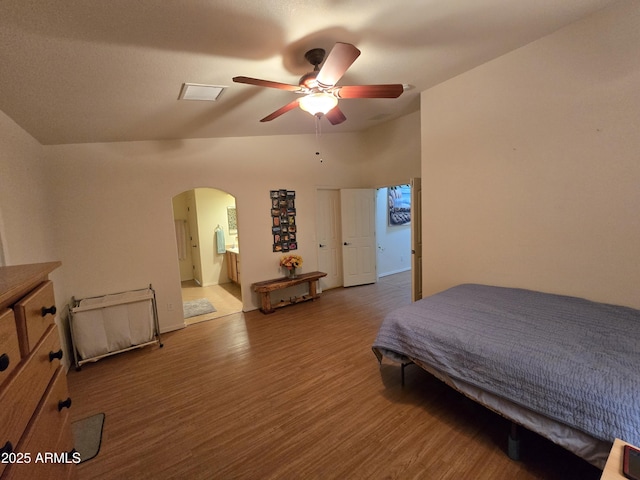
(34, 314)
(9, 350)
(21, 394)
(46, 434)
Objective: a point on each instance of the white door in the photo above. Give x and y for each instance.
(416, 239)
(329, 238)
(358, 236)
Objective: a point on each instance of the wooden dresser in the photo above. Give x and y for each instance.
(35, 431)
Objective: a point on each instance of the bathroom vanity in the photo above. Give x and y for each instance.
(233, 264)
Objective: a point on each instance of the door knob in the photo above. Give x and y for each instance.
(345, 243)
(322, 246)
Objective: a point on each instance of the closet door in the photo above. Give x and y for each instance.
(329, 238)
(358, 236)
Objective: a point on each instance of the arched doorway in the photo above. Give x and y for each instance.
(208, 240)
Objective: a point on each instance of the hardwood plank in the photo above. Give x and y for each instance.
(296, 394)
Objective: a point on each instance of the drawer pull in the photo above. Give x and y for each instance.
(54, 355)
(4, 362)
(8, 448)
(51, 310)
(64, 404)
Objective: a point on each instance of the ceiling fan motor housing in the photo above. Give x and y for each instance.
(308, 80)
(315, 56)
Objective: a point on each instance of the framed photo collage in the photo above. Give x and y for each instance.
(283, 220)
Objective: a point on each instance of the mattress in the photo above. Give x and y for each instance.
(571, 360)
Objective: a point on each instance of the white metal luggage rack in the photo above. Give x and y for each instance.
(115, 323)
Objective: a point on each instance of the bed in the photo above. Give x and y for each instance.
(564, 367)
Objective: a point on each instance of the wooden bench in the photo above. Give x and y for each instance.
(266, 287)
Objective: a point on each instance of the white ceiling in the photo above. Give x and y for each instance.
(76, 71)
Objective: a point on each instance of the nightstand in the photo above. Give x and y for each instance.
(613, 468)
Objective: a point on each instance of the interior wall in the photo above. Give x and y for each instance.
(530, 166)
(27, 225)
(211, 208)
(3, 261)
(393, 243)
(26, 220)
(114, 206)
(105, 210)
(392, 151)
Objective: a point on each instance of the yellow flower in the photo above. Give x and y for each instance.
(291, 261)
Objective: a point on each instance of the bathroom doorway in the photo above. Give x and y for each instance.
(207, 240)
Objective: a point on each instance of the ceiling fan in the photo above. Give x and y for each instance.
(319, 89)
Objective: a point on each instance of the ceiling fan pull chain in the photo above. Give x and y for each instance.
(318, 135)
(318, 129)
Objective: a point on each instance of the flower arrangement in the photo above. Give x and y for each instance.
(291, 261)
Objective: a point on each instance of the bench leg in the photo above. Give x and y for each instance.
(266, 303)
(312, 289)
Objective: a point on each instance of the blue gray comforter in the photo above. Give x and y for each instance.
(573, 360)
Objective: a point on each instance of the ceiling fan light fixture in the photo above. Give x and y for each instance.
(318, 103)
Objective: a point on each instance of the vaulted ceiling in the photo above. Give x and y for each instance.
(76, 71)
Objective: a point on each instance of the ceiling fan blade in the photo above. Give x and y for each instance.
(340, 58)
(335, 116)
(369, 91)
(281, 110)
(266, 83)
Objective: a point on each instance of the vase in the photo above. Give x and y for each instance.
(292, 272)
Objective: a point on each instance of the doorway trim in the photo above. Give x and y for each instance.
(415, 224)
(209, 214)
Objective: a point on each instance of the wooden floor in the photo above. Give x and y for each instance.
(225, 297)
(297, 394)
(401, 280)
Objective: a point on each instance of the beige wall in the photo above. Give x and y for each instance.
(115, 219)
(211, 208)
(114, 209)
(105, 210)
(392, 151)
(531, 166)
(26, 223)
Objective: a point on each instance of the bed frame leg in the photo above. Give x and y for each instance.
(402, 367)
(513, 448)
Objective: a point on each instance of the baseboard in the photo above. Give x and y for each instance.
(385, 274)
